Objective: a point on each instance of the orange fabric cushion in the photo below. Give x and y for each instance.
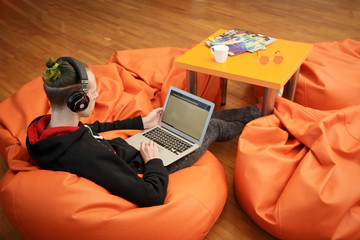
(297, 171)
(44, 204)
(155, 66)
(329, 77)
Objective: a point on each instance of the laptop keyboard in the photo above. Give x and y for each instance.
(167, 140)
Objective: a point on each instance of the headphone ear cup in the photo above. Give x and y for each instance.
(78, 101)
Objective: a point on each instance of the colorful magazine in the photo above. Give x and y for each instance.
(240, 41)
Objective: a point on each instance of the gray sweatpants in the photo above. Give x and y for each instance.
(224, 125)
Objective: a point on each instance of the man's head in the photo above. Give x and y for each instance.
(70, 83)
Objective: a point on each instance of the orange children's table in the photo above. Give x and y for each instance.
(246, 68)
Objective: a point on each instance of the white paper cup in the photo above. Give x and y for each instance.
(220, 52)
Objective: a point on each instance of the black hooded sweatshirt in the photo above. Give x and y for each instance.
(112, 164)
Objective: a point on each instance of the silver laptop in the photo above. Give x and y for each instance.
(182, 127)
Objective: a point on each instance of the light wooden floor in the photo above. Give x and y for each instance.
(91, 31)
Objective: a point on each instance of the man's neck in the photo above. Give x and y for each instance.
(63, 118)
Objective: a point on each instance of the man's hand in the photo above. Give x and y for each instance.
(149, 151)
(152, 119)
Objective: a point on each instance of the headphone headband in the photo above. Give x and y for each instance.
(78, 101)
(80, 70)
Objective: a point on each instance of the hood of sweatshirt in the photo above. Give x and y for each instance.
(45, 145)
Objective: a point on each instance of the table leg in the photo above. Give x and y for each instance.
(223, 90)
(269, 102)
(192, 82)
(292, 86)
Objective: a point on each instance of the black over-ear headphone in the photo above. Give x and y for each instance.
(78, 101)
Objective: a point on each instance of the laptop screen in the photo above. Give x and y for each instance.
(186, 114)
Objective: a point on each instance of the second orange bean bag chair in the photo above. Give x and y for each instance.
(297, 172)
(44, 204)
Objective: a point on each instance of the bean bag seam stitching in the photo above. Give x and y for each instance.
(210, 212)
(279, 218)
(199, 202)
(347, 129)
(13, 202)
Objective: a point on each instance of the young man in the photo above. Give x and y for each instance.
(61, 142)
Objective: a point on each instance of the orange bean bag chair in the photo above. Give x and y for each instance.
(329, 77)
(43, 204)
(297, 172)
